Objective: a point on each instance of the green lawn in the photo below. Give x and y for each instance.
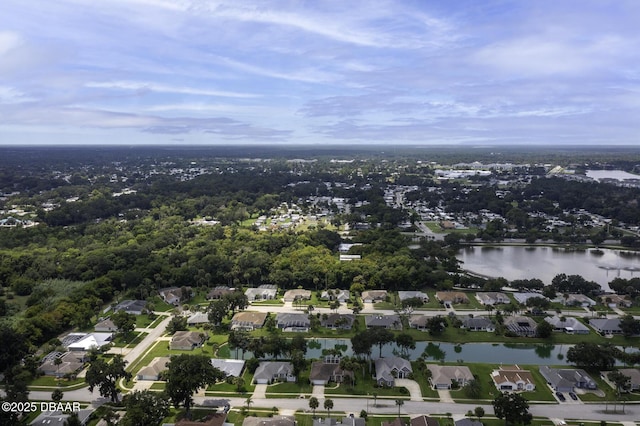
(130, 340)
(290, 389)
(482, 373)
(365, 385)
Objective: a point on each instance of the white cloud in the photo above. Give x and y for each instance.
(155, 87)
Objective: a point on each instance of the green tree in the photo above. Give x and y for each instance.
(399, 403)
(328, 405)
(188, 373)
(544, 330)
(125, 322)
(436, 325)
(105, 376)
(513, 408)
(629, 325)
(145, 408)
(620, 380)
(57, 395)
(593, 356)
(472, 389)
(314, 404)
(177, 323)
(405, 342)
(479, 412)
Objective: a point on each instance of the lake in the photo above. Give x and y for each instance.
(610, 174)
(519, 262)
(539, 354)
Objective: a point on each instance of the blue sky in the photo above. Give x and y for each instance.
(472, 73)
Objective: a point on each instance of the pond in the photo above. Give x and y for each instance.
(610, 174)
(519, 262)
(539, 354)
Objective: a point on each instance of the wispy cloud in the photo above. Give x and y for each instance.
(356, 71)
(155, 87)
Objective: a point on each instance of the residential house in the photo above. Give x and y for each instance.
(424, 421)
(328, 370)
(269, 421)
(230, 367)
(106, 326)
(632, 373)
(338, 321)
(274, 371)
(293, 321)
(606, 326)
(248, 321)
(84, 342)
(569, 325)
(213, 419)
(345, 421)
(444, 376)
(219, 292)
(419, 322)
(452, 297)
(349, 257)
(154, 369)
(395, 422)
(48, 418)
(491, 298)
(187, 340)
(468, 422)
(174, 296)
(575, 300)
(70, 363)
(372, 296)
(522, 297)
(198, 318)
(616, 301)
(391, 322)
(341, 296)
(297, 294)
(404, 295)
(478, 324)
(567, 379)
(262, 292)
(390, 368)
(513, 378)
(135, 307)
(521, 326)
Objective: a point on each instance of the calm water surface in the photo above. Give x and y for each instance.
(517, 262)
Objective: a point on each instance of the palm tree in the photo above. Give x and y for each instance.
(328, 404)
(248, 401)
(399, 403)
(313, 404)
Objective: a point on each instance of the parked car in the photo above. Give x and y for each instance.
(573, 396)
(561, 396)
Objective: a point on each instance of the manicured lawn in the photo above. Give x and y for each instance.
(610, 393)
(143, 320)
(290, 389)
(161, 348)
(420, 376)
(49, 381)
(365, 386)
(158, 386)
(130, 340)
(482, 373)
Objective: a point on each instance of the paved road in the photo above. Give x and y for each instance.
(387, 406)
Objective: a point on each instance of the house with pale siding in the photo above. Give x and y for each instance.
(390, 368)
(443, 376)
(513, 378)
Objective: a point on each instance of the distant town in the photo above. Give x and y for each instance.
(274, 287)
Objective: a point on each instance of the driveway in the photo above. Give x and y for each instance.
(445, 395)
(412, 386)
(260, 392)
